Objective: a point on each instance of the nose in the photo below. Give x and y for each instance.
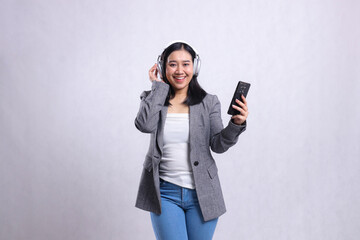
(179, 69)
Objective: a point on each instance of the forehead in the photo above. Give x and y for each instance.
(180, 55)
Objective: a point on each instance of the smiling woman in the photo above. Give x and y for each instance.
(180, 184)
(179, 71)
(179, 61)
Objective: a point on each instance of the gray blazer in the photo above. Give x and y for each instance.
(206, 131)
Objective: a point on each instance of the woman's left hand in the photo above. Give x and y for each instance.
(243, 109)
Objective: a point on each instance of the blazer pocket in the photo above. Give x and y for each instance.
(212, 170)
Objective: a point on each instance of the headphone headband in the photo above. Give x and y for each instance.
(181, 41)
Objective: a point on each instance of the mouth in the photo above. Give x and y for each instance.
(179, 78)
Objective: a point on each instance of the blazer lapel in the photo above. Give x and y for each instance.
(160, 134)
(194, 121)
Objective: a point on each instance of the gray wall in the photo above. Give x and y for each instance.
(71, 73)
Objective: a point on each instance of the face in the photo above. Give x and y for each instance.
(179, 70)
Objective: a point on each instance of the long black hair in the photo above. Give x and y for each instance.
(195, 92)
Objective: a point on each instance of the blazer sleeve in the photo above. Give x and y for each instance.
(151, 104)
(221, 139)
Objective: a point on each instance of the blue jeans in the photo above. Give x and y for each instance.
(181, 217)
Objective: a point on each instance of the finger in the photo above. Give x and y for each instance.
(242, 114)
(152, 76)
(239, 116)
(151, 70)
(242, 111)
(156, 71)
(244, 99)
(153, 73)
(239, 101)
(242, 105)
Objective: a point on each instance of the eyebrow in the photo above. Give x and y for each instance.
(181, 61)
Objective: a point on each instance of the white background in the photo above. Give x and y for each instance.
(71, 73)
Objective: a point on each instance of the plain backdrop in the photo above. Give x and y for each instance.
(71, 73)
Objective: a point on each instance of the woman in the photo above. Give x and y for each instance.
(179, 184)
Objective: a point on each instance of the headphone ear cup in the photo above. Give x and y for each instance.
(197, 64)
(159, 66)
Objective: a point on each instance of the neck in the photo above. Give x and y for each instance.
(181, 93)
(180, 97)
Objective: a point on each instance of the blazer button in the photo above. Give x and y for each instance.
(196, 163)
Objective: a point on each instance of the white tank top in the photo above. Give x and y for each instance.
(175, 163)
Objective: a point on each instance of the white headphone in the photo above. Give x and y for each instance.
(197, 61)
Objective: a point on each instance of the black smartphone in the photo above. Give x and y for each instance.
(241, 89)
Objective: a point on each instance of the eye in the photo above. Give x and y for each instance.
(186, 64)
(172, 64)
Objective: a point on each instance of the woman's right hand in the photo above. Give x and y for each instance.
(153, 72)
